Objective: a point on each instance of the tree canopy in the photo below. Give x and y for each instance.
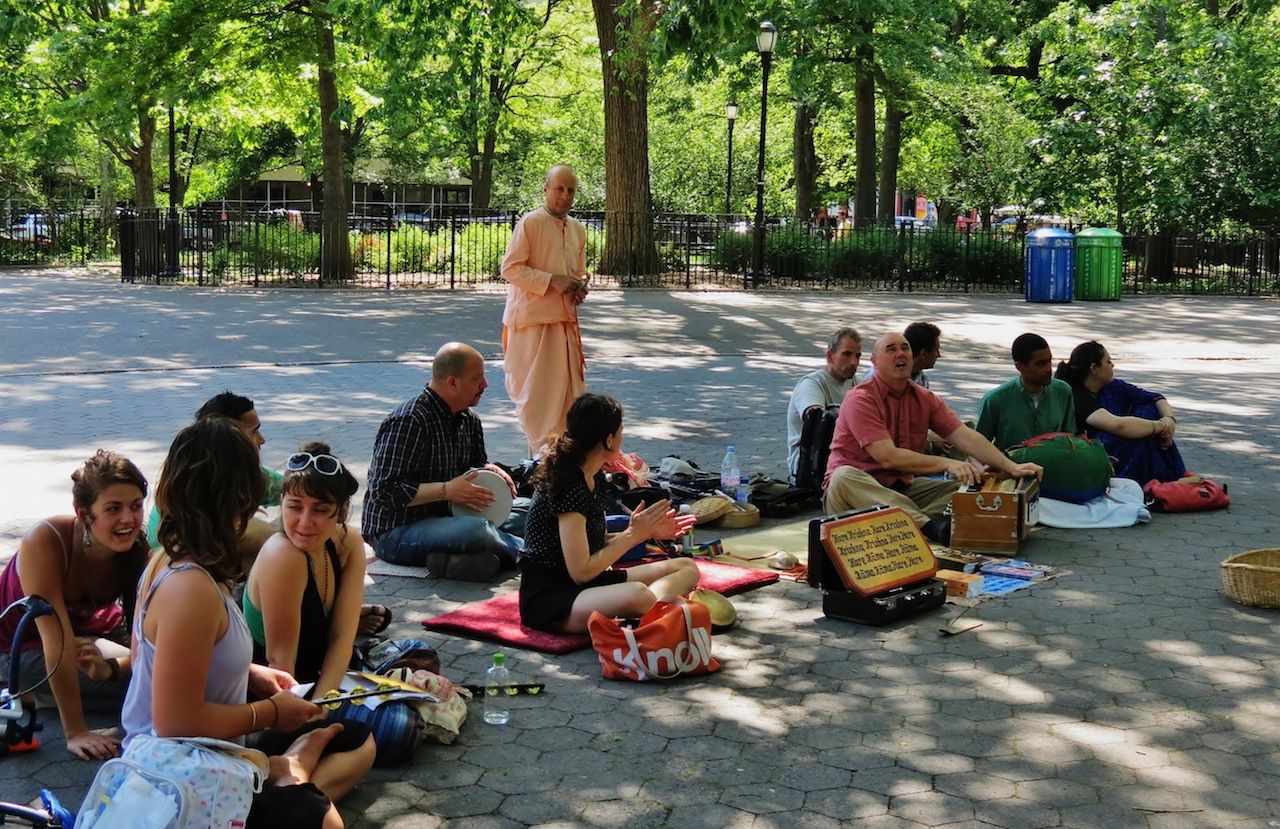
(1152, 115)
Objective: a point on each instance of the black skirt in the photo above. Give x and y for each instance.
(547, 596)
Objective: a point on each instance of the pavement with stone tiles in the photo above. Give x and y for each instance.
(1130, 693)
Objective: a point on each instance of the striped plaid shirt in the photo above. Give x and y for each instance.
(422, 441)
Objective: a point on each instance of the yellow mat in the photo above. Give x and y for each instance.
(761, 542)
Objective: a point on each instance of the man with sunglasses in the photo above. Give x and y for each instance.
(424, 460)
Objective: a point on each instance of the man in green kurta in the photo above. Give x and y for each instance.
(1031, 403)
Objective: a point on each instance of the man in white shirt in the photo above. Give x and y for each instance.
(824, 387)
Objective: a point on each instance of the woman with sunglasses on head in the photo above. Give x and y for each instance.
(86, 565)
(567, 568)
(192, 652)
(302, 599)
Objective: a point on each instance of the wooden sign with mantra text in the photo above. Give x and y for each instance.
(875, 552)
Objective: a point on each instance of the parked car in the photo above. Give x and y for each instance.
(372, 223)
(32, 227)
(279, 215)
(412, 219)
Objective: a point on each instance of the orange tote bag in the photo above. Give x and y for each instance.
(673, 639)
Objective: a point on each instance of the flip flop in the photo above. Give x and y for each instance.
(373, 611)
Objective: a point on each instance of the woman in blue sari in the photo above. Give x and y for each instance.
(1135, 425)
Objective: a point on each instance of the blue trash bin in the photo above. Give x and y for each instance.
(1051, 265)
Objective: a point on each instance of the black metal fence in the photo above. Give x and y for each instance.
(404, 248)
(77, 236)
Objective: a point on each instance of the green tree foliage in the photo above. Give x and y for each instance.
(1150, 115)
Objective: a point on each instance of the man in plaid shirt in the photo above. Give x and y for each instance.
(424, 460)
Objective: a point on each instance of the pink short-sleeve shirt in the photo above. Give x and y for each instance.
(873, 412)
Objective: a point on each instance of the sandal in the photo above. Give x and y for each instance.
(374, 619)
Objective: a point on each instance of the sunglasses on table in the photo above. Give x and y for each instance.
(324, 464)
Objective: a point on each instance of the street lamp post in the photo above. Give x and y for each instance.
(171, 238)
(766, 40)
(730, 115)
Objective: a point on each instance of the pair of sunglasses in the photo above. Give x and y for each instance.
(324, 464)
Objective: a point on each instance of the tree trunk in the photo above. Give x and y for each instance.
(482, 156)
(1122, 203)
(335, 251)
(805, 162)
(891, 146)
(629, 247)
(864, 93)
(144, 183)
(106, 198)
(482, 171)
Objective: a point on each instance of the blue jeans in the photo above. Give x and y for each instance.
(409, 544)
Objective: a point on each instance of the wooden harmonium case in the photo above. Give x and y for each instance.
(873, 566)
(994, 516)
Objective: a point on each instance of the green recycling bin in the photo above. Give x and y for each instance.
(1099, 264)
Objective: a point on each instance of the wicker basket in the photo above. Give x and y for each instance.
(1253, 578)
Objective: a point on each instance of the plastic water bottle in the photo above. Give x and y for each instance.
(743, 493)
(729, 472)
(686, 540)
(497, 684)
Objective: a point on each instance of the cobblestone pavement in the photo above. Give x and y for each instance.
(1130, 693)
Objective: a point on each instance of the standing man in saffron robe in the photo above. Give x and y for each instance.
(542, 347)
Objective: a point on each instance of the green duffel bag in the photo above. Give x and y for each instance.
(1076, 468)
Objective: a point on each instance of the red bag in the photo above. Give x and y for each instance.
(1191, 494)
(672, 639)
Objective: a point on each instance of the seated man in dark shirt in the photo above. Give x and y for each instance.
(425, 458)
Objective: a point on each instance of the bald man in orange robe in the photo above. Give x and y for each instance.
(546, 266)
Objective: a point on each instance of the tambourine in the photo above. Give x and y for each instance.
(500, 509)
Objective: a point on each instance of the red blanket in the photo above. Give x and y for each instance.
(499, 618)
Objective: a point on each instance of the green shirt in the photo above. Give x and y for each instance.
(1007, 415)
(272, 494)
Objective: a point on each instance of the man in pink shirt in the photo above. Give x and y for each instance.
(879, 446)
(542, 348)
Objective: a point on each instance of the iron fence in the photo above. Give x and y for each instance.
(243, 246)
(37, 237)
(1209, 265)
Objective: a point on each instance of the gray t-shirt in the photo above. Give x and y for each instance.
(817, 388)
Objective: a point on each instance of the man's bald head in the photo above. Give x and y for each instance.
(884, 341)
(453, 360)
(560, 169)
(891, 355)
(457, 375)
(560, 189)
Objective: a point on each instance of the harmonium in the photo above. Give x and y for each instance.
(994, 515)
(873, 566)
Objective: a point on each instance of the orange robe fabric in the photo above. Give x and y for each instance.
(542, 348)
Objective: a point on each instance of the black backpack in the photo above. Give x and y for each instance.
(819, 426)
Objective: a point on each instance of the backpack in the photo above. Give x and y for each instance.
(163, 782)
(816, 432)
(779, 499)
(414, 654)
(1190, 494)
(397, 728)
(1076, 468)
